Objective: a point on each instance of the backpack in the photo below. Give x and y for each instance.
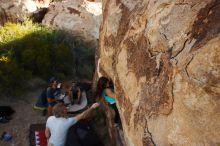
(82, 134)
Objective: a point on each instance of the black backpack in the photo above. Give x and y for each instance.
(82, 134)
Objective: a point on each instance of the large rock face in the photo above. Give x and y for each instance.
(81, 17)
(164, 59)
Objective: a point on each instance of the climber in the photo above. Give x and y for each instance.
(105, 89)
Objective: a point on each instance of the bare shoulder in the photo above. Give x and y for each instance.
(108, 90)
(110, 93)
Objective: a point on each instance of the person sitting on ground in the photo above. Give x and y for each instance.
(65, 93)
(105, 89)
(42, 103)
(58, 125)
(61, 92)
(75, 91)
(51, 91)
(58, 90)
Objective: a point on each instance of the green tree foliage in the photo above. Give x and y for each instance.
(28, 50)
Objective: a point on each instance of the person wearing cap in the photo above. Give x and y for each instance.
(51, 90)
(57, 125)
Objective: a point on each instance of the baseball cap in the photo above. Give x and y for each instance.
(52, 79)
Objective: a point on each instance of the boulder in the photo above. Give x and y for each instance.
(80, 17)
(18, 10)
(163, 57)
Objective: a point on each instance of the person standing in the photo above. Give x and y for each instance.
(57, 125)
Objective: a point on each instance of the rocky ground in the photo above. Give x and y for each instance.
(25, 116)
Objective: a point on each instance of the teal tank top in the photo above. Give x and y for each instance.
(108, 98)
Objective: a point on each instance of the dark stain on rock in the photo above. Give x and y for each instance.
(212, 85)
(157, 94)
(51, 8)
(118, 2)
(139, 115)
(139, 59)
(147, 141)
(123, 24)
(207, 25)
(212, 91)
(74, 11)
(147, 137)
(52, 19)
(11, 6)
(109, 41)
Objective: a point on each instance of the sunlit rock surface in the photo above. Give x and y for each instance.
(81, 17)
(18, 10)
(164, 57)
(11, 11)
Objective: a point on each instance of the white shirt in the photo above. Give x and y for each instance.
(58, 129)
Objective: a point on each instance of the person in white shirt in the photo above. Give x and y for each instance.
(58, 124)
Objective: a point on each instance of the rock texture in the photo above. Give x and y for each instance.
(163, 57)
(81, 17)
(18, 10)
(10, 11)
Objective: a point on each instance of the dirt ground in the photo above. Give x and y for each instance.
(24, 116)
